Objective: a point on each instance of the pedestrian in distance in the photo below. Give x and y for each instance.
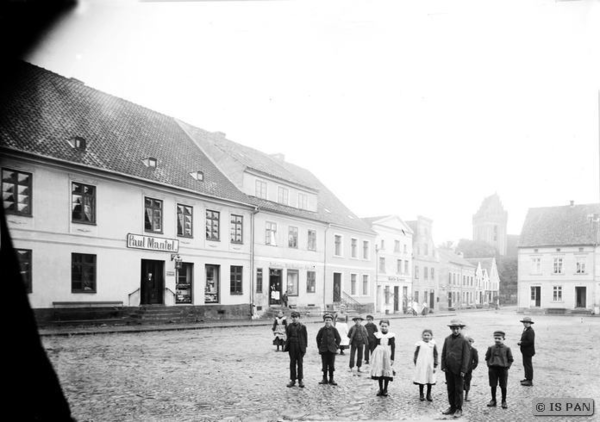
(340, 321)
(499, 358)
(296, 344)
(371, 330)
(527, 345)
(279, 326)
(456, 355)
(284, 299)
(426, 362)
(382, 359)
(474, 361)
(328, 341)
(359, 340)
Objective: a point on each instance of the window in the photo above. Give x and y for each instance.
(312, 240)
(235, 280)
(271, 234)
(558, 265)
(293, 237)
(557, 293)
(449, 278)
(311, 283)
(283, 195)
(83, 273)
(399, 266)
(261, 189)
(416, 271)
(338, 245)
(365, 249)
(425, 273)
(406, 267)
(382, 265)
(259, 280)
(536, 265)
(432, 273)
(153, 219)
(382, 244)
(354, 248)
(237, 228)
(397, 246)
(184, 221)
(211, 291)
(83, 203)
(16, 192)
(353, 284)
(426, 249)
(212, 225)
(365, 289)
(405, 251)
(183, 289)
(580, 265)
(292, 282)
(24, 257)
(302, 201)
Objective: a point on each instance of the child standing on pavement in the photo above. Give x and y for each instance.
(426, 362)
(296, 346)
(279, 326)
(383, 357)
(328, 341)
(340, 321)
(358, 340)
(473, 364)
(371, 330)
(499, 358)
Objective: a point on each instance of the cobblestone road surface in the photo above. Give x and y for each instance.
(234, 374)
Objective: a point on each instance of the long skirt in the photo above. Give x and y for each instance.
(381, 363)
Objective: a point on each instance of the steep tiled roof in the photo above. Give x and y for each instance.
(329, 209)
(449, 256)
(44, 110)
(560, 226)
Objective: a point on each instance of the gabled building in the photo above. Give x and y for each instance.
(487, 281)
(558, 256)
(458, 283)
(426, 263)
(393, 257)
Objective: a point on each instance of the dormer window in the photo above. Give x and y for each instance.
(150, 162)
(77, 142)
(197, 175)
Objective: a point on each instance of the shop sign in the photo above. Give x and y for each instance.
(152, 243)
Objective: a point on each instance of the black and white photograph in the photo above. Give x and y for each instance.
(301, 210)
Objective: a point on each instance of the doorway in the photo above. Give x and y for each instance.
(274, 286)
(337, 287)
(152, 283)
(580, 297)
(396, 298)
(535, 296)
(431, 299)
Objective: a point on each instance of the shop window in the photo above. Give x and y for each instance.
(235, 280)
(183, 289)
(311, 284)
(292, 283)
(83, 273)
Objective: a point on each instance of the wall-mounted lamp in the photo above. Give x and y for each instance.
(175, 257)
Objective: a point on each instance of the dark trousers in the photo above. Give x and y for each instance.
(353, 349)
(328, 363)
(467, 382)
(296, 362)
(528, 365)
(455, 385)
(369, 349)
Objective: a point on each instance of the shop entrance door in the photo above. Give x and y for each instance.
(337, 287)
(274, 286)
(535, 296)
(152, 283)
(580, 293)
(396, 298)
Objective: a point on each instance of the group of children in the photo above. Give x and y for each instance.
(376, 346)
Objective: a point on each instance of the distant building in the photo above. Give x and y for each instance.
(393, 257)
(425, 263)
(490, 224)
(488, 280)
(558, 252)
(458, 285)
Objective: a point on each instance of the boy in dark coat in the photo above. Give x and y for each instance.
(328, 341)
(499, 358)
(527, 345)
(456, 356)
(359, 339)
(472, 365)
(296, 346)
(371, 330)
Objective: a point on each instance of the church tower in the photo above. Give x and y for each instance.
(490, 223)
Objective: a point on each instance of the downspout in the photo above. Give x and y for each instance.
(325, 269)
(252, 275)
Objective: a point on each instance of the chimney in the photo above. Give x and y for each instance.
(278, 156)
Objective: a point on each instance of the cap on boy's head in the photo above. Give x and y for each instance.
(456, 323)
(527, 319)
(369, 316)
(357, 317)
(295, 314)
(499, 334)
(327, 316)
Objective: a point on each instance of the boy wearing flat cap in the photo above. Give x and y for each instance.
(328, 341)
(499, 358)
(359, 339)
(296, 346)
(456, 358)
(527, 345)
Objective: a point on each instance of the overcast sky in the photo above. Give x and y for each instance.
(414, 107)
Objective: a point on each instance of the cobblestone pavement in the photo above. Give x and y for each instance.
(234, 374)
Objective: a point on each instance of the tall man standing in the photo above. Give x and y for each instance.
(456, 356)
(527, 345)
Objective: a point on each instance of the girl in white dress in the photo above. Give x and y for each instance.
(426, 362)
(383, 357)
(341, 323)
(279, 326)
